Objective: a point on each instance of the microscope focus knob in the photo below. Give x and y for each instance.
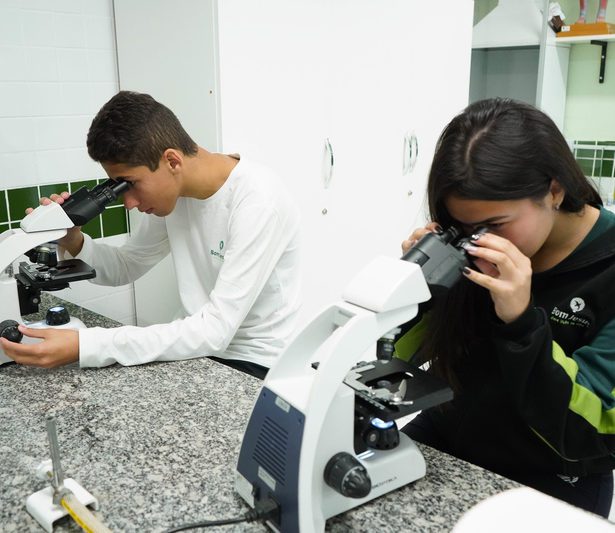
(57, 316)
(346, 475)
(381, 435)
(8, 330)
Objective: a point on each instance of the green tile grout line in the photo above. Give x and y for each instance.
(6, 205)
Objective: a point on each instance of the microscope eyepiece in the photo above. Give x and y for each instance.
(84, 205)
(442, 256)
(449, 235)
(111, 189)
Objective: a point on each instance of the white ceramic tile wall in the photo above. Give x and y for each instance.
(57, 68)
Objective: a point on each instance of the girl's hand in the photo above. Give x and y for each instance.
(504, 271)
(432, 227)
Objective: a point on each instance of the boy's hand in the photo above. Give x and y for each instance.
(59, 347)
(73, 240)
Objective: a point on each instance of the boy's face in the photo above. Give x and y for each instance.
(153, 193)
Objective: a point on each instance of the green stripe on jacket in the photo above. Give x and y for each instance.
(584, 401)
(411, 341)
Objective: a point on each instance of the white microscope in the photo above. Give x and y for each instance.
(322, 437)
(20, 293)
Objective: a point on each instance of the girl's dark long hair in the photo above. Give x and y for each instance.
(496, 149)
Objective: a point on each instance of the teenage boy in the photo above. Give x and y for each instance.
(231, 229)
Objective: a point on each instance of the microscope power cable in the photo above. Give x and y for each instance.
(265, 510)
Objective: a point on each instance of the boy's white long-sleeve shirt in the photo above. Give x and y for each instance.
(237, 265)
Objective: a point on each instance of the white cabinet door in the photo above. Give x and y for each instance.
(294, 75)
(177, 65)
(274, 80)
(179, 71)
(393, 77)
(362, 74)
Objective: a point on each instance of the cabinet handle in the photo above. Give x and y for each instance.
(329, 163)
(411, 152)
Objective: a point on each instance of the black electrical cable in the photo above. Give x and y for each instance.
(266, 511)
(248, 517)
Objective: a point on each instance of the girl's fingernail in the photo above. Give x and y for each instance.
(476, 236)
(468, 247)
(466, 270)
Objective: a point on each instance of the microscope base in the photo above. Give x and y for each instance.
(11, 311)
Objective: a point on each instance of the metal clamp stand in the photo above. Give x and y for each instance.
(45, 505)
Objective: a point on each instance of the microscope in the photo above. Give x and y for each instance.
(322, 437)
(20, 292)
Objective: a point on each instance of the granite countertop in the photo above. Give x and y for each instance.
(157, 444)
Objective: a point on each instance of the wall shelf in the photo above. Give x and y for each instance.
(586, 38)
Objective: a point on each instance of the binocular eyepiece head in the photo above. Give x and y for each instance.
(442, 256)
(453, 235)
(84, 205)
(459, 241)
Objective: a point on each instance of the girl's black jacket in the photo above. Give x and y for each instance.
(539, 395)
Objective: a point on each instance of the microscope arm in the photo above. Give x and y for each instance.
(46, 223)
(382, 296)
(323, 434)
(385, 294)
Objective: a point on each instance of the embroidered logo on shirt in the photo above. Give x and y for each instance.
(564, 318)
(216, 253)
(577, 304)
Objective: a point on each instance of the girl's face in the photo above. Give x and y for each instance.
(526, 223)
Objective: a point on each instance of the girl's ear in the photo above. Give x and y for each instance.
(557, 193)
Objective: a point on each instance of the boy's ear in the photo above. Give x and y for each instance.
(173, 158)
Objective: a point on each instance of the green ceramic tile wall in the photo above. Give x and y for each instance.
(13, 203)
(48, 190)
(93, 228)
(4, 211)
(76, 185)
(20, 200)
(114, 221)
